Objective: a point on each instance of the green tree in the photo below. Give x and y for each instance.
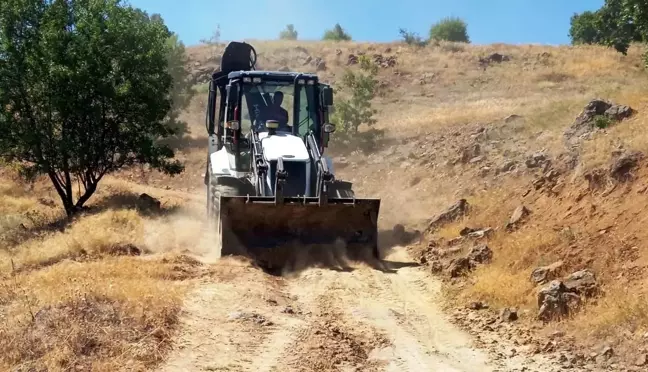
(585, 28)
(337, 33)
(289, 33)
(85, 90)
(450, 29)
(360, 89)
(617, 24)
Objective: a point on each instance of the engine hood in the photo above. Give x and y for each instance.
(283, 145)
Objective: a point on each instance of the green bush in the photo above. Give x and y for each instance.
(337, 33)
(289, 33)
(360, 87)
(602, 121)
(450, 29)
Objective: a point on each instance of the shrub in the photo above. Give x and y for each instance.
(336, 34)
(289, 33)
(354, 108)
(411, 38)
(450, 29)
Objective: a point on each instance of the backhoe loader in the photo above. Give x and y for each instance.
(270, 188)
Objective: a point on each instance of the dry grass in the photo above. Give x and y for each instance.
(76, 298)
(622, 311)
(106, 315)
(506, 281)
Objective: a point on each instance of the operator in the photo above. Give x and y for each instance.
(276, 112)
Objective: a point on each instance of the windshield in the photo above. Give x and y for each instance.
(276, 101)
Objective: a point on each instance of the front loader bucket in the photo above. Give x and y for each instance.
(274, 233)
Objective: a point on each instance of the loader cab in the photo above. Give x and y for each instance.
(247, 97)
(267, 96)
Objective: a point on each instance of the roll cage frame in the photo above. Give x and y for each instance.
(229, 88)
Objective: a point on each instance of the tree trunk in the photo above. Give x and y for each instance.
(61, 189)
(90, 189)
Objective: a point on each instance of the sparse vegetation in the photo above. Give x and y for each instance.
(337, 33)
(450, 29)
(412, 38)
(215, 37)
(289, 33)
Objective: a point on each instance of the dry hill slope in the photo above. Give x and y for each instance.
(75, 294)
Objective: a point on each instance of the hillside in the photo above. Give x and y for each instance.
(484, 124)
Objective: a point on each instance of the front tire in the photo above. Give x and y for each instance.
(215, 191)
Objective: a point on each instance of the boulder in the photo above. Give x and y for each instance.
(493, 58)
(584, 124)
(536, 160)
(518, 215)
(560, 298)
(554, 301)
(621, 167)
(582, 282)
(511, 118)
(507, 167)
(459, 266)
(508, 314)
(475, 233)
(477, 305)
(543, 274)
(402, 236)
(320, 65)
(480, 254)
(454, 212)
(469, 153)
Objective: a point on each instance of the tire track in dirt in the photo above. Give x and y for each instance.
(368, 320)
(323, 320)
(403, 305)
(328, 341)
(227, 320)
(394, 315)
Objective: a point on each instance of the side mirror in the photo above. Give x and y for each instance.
(329, 128)
(327, 96)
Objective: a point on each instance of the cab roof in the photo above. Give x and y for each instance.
(273, 75)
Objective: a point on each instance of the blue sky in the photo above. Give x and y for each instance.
(489, 21)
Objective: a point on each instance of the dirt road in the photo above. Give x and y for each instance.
(360, 319)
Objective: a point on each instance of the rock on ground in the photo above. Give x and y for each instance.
(459, 209)
(543, 274)
(584, 124)
(559, 298)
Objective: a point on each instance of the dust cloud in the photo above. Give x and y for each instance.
(185, 231)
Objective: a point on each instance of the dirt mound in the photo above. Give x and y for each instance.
(328, 345)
